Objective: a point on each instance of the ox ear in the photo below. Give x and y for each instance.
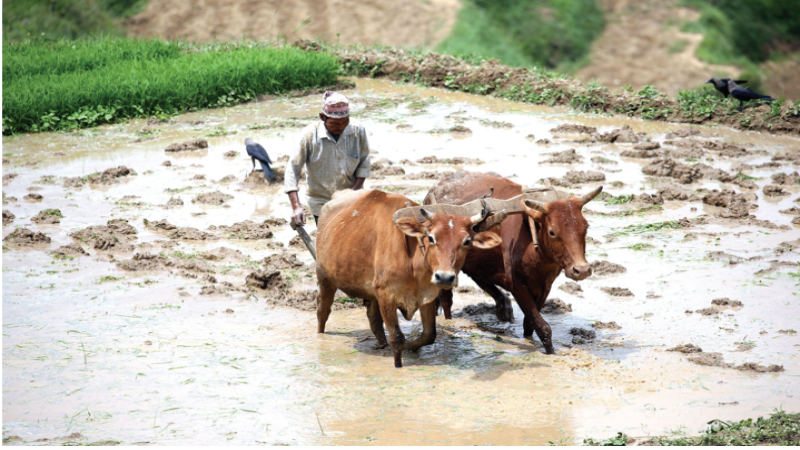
(411, 227)
(487, 239)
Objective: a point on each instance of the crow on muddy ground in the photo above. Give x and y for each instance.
(257, 152)
(722, 85)
(743, 95)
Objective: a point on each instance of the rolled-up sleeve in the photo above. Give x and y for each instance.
(295, 167)
(363, 166)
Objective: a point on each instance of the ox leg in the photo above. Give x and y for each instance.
(504, 309)
(445, 300)
(376, 323)
(534, 321)
(324, 302)
(428, 313)
(396, 338)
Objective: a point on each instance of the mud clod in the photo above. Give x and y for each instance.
(570, 287)
(212, 198)
(24, 237)
(48, 217)
(606, 325)
(144, 262)
(191, 234)
(8, 217)
(788, 332)
(115, 236)
(668, 168)
(708, 311)
(617, 291)
(70, 250)
(620, 135)
(247, 230)
(231, 154)
(566, 157)
(686, 348)
(573, 128)
(33, 197)
(271, 280)
(175, 202)
(383, 168)
(160, 225)
(727, 302)
(736, 205)
(772, 190)
(193, 145)
(791, 179)
(167, 164)
(582, 335)
(283, 261)
(222, 254)
(556, 306)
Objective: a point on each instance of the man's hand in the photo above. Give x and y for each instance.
(298, 211)
(299, 216)
(358, 184)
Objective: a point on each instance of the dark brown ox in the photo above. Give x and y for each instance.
(518, 266)
(361, 251)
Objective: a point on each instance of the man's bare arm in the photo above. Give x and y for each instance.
(357, 185)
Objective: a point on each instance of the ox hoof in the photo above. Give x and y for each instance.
(381, 345)
(398, 361)
(548, 349)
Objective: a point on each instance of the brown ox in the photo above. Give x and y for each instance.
(518, 266)
(362, 252)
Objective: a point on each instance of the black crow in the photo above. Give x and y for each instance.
(257, 152)
(722, 84)
(743, 95)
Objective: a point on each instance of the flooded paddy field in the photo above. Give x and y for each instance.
(166, 301)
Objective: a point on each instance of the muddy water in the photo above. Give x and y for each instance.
(144, 357)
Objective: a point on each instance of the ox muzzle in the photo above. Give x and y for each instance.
(445, 280)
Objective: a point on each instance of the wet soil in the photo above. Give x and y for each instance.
(187, 146)
(212, 198)
(8, 217)
(133, 330)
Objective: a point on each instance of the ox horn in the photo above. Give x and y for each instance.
(589, 196)
(537, 205)
(426, 214)
(478, 218)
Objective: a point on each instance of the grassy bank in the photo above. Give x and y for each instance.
(780, 428)
(540, 86)
(73, 84)
(556, 34)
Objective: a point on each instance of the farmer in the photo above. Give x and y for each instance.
(336, 153)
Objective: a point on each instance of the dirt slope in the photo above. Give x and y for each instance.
(409, 23)
(642, 45)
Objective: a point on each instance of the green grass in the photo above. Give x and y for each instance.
(548, 33)
(69, 19)
(620, 199)
(646, 228)
(74, 84)
(53, 212)
(780, 428)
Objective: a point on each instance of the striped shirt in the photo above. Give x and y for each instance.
(331, 165)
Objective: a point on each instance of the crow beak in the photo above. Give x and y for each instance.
(709, 81)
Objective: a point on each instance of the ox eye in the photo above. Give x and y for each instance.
(431, 240)
(467, 242)
(552, 234)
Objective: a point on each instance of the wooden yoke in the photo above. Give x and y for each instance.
(499, 209)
